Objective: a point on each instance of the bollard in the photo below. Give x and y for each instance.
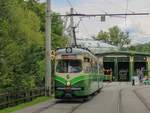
(133, 82)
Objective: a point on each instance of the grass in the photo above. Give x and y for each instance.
(24, 105)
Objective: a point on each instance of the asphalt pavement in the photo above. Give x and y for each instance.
(115, 97)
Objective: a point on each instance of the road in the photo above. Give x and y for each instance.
(114, 98)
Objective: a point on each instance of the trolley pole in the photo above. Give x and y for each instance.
(74, 36)
(48, 49)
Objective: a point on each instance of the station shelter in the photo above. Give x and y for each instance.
(123, 65)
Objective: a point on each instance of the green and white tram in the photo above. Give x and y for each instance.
(78, 74)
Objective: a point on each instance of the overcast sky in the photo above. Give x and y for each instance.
(138, 26)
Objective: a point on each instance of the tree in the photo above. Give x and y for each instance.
(19, 32)
(114, 36)
(22, 43)
(140, 48)
(58, 40)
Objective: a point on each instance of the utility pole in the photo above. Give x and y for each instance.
(71, 27)
(48, 48)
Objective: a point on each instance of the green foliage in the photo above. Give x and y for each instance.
(114, 36)
(22, 43)
(140, 48)
(57, 26)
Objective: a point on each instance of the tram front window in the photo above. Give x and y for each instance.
(68, 66)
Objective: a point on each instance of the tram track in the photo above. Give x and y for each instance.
(119, 98)
(141, 99)
(46, 107)
(72, 104)
(119, 101)
(75, 108)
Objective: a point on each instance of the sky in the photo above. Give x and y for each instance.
(137, 26)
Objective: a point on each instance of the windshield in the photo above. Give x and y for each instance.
(68, 66)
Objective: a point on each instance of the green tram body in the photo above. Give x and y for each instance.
(84, 80)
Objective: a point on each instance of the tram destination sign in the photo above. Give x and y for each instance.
(72, 56)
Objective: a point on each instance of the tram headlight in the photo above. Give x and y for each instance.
(68, 83)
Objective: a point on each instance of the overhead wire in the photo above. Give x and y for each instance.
(71, 5)
(86, 30)
(110, 2)
(80, 20)
(77, 25)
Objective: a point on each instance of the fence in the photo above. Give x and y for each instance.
(12, 98)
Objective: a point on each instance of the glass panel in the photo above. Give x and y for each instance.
(68, 66)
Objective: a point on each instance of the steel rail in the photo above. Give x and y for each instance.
(141, 99)
(119, 101)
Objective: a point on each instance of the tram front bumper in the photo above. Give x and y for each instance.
(69, 88)
(66, 92)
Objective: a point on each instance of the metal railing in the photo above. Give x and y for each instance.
(13, 98)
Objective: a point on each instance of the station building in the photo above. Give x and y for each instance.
(122, 65)
(118, 65)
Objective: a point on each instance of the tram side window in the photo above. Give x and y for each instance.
(87, 65)
(94, 67)
(69, 66)
(87, 68)
(101, 68)
(90, 67)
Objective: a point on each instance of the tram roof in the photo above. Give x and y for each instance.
(78, 51)
(130, 53)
